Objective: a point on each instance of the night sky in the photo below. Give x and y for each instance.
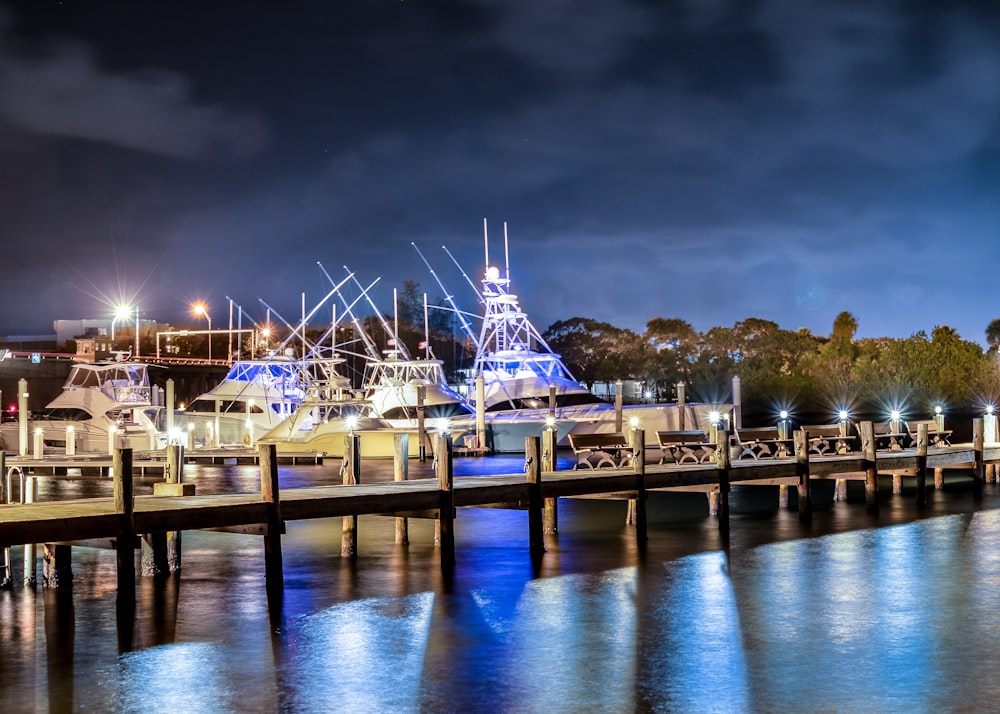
(700, 159)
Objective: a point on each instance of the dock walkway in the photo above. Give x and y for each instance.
(123, 517)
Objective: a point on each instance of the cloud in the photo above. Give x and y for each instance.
(63, 92)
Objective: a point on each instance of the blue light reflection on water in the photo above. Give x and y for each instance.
(898, 618)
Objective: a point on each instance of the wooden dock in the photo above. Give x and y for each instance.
(123, 519)
(152, 461)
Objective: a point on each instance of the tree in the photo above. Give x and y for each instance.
(993, 334)
(596, 351)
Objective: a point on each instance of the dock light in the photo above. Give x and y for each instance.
(783, 424)
(351, 422)
(939, 417)
(894, 417)
(444, 427)
(991, 435)
(634, 423)
(714, 417)
(843, 419)
(550, 423)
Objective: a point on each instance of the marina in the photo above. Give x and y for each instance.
(691, 601)
(174, 508)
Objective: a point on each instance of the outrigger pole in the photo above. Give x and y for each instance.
(450, 300)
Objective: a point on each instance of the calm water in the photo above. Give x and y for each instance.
(851, 614)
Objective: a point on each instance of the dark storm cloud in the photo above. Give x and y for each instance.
(62, 92)
(707, 160)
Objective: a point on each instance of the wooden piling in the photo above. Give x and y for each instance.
(533, 466)
(867, 431)
(897, 483)
(401, 472)
(446, 490)
(938, 478)
(978, 470)
(5, 571)
(801, 443)
(57, 566)
(267, 455)
(125, 507)
(29, 490)
(921, 464)
(722, 457)
(174, 475)
(639, 464)
(352, 475)
(550, 508)
(421, 429)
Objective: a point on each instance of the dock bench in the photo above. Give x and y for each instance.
(597, 450)
(935, 436)
(888, 437)
(827, 438)
(759, 442)
(685, 447)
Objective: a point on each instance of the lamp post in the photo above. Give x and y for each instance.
(136, 352)
(122, 312)
(200, 309)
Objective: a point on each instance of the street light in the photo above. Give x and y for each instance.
(200, 309)
(122, 312)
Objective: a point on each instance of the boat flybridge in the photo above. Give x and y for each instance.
(101, 405)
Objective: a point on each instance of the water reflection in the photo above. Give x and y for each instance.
(838, 616)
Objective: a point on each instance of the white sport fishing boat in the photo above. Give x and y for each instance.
(524, 380)
(102, 405)
(330, 413)
(254, 397)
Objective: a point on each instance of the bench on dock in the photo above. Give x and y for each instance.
(935, 436)
(597, 450)
(888, 436)
(759, 442)
(828, 438)
(685, 447)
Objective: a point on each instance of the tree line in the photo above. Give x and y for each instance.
(786, 369)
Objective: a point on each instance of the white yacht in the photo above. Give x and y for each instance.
(254, 397)
(329, 414)
(521, 375)
(102, 405)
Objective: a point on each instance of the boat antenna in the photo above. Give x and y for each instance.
(395, 318)
(486, 242)
(449, 298)
(506, 252)
(427, 332)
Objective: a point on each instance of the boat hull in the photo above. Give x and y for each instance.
(375, 444)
